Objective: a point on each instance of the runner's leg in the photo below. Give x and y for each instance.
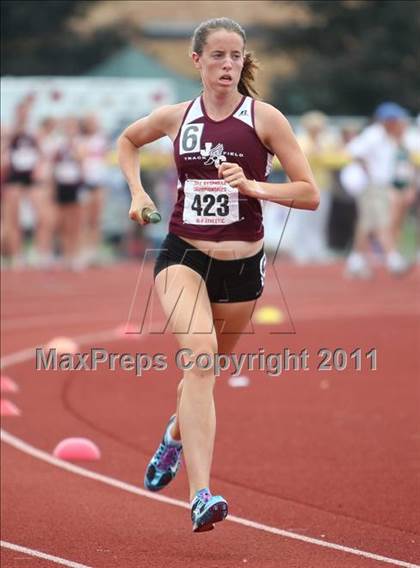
(185, 301)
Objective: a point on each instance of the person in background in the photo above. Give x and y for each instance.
(24, 178)
(343, 210)
(413, 145)
(67, 177)
(94, 147)
(49, 141)
(403, 187)
(48, 137)
(316, 140)
(377, 150)
(5, 134)
(4, 172)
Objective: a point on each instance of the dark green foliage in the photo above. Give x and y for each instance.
(352, 56)
(37, 40)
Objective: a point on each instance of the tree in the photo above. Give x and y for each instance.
(350, 57)
(37, 38)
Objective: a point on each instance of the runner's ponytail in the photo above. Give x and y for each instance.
(246, 82)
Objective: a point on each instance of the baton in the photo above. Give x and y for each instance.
(150, 216)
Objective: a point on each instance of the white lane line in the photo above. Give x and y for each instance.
(43, 555)
(26, 354)
(18, 357)
(22, 446)
(10, 324)
(26, 448)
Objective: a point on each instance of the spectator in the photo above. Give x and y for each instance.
(413, 145)
(343, 211)
(67, 175)
(94, 148)
(310, 228)
(376, 150)
(24, 179)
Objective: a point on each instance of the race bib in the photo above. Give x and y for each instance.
(210, 202)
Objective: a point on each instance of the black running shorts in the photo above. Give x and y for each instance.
(67, 194)
(227, 281)
(20, 178)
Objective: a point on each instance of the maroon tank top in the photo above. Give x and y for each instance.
(207, 208)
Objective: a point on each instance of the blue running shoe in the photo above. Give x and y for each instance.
(206, 510)
(164, 465)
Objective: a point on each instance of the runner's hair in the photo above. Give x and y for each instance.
(199, 38)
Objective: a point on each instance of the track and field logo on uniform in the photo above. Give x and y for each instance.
(190, 143)
(214, 155)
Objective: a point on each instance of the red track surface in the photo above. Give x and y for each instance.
(328, 455)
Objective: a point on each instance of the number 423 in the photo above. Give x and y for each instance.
(209, 205)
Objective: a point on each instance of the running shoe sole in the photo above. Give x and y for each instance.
(214, 514)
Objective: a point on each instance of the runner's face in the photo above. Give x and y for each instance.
(222, 60)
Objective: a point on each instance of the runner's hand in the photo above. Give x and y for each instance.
(138, 203)
(234, 175)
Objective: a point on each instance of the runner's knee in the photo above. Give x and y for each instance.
(200, 358)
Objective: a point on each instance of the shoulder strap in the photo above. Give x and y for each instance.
(244, 112)
(195, 111)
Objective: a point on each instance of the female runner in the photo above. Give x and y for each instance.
(211, 266)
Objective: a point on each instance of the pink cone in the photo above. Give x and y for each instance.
(77, 449)
(7, 385)
(7, 408)
(63, 345)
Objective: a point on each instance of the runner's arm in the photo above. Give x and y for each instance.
(138, 134)
(301, 192)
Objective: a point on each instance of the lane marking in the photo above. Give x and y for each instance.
(17, 357)
(26, 448)
(43, 555)
(12, 323)
(26, 354)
